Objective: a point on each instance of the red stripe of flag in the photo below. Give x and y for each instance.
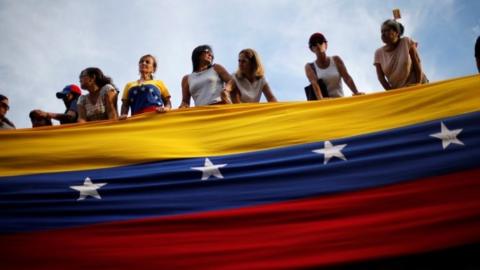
(409, 218)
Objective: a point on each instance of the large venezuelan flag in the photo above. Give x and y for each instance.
(250, 186)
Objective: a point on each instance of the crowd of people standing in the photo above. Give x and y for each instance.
(397, 65)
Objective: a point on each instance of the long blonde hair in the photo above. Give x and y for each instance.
(255, 62)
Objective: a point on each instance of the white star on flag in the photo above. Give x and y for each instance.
(330, 151)
(88, 189)
(448, 136)
(210, 169)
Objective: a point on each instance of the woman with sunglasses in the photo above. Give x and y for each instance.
(4, 107)
(249, 81)
(397, 63)
(101, 101)
(207, 84)
(145, 94)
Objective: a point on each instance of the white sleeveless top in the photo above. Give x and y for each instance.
(250, 92)
(205, 87)
(331, 77)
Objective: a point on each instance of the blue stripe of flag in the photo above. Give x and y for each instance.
(47, 201)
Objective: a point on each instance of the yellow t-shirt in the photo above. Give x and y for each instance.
(144, 95)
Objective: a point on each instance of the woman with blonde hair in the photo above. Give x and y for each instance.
(249, 82)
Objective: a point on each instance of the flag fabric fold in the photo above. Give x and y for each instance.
(250, 186)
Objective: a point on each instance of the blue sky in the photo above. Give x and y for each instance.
(45, 44)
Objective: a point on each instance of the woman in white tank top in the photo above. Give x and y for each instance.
(249, 81)
(207, 83)
(330, 69)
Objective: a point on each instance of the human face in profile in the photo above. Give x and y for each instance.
(3, 108)
(207, 56)
(389, 35)
(86, 81)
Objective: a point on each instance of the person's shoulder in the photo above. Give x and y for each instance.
(10, 123)
(218, 67)
(160, 84)
(185, 79)
(81, 99)
(337, 59)
(107, 87)
(110, 88)
(310, 64)
(73, 105)
(383, 48)
(262, 79)
(131, 84)
(380, 50)
(6, 124)
(407, 40)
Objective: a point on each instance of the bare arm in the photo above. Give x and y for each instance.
(381, 77)
(223, 73)
(345, 76)
(267, 92)
(124, 110)
(82, 114)
(110, 101)
(417, 67)
(185, 93)
(168, 104)
(125, 107)
(234, 92)
(69, 116)
(312, 78)
(226, 78)
(478, 64)
(166, 107)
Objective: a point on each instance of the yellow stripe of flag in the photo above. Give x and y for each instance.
(222, 130)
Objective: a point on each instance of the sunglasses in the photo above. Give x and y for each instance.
(146, 61)
(316, 44)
